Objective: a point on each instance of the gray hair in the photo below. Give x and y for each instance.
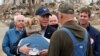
(16, 17)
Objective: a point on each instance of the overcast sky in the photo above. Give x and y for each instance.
(1, 2)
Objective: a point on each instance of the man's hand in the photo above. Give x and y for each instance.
(24, 49)
(44, 53)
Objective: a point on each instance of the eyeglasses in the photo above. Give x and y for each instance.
(45, 16)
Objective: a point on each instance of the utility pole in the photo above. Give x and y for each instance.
(36, 5)
(92, 2)
(33, 6)
(55, 1)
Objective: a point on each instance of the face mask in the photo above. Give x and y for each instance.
(55, 25)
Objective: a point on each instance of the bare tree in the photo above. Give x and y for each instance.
(30, 7)
(33, 6)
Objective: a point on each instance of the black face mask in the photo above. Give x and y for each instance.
(55, 25)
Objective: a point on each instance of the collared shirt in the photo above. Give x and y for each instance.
(43, 33)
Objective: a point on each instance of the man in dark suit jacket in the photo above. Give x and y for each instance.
(49, 31)
(43, 15)
(84, 21)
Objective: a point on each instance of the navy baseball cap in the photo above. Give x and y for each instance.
(42, 11)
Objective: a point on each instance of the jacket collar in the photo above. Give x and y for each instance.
(75, 28)
(88, 27)
(19, 30)
(72, 25)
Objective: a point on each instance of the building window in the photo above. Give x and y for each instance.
(14, 2)
(4, 1)
(32, 1)
(24, 1)
(42, 0)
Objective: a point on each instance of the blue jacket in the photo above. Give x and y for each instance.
(95, 34)
(11, 36)
(35, 41)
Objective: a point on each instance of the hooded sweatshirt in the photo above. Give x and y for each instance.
(62, 45)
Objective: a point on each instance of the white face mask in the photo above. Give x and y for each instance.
(34, 51)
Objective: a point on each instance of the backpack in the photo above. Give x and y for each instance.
(80, 47)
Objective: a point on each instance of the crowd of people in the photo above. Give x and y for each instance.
(47, 34)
